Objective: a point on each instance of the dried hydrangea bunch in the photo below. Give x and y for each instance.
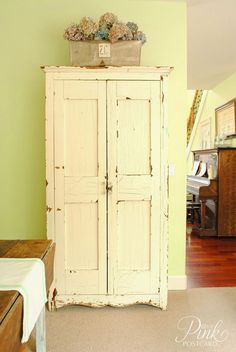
(88, 27)
(107, 20)
(107, 28)
(120, 31)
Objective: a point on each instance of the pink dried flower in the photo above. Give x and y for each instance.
(88, 26)
(107, 20)
(73, 33)
(120, 31)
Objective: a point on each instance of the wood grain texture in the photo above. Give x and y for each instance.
(210, 262)
(11, 326)
(7, 299)
(27, 249)
(227, 191)
(5, 246)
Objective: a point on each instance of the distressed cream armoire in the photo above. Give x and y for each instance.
(107, 184)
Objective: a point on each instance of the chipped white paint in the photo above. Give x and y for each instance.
(122, 179)
(164, 194)
(80, 156)
(49, 157)
(134, 205)
(107, 300)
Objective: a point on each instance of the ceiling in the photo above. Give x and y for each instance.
(211, 42)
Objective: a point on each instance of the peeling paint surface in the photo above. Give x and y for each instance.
(133, 184)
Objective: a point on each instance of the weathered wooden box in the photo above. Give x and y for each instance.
(104, 53)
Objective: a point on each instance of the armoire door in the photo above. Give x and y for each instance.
(134, 182)
(107, 132)
(80, 186)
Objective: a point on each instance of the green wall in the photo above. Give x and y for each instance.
(31, 36)
(219, 95)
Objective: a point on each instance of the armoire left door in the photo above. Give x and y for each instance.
(80, 186)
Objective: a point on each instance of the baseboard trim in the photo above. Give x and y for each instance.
(176, 282)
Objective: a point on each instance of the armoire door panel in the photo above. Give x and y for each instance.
(133, 144)
(81, 137)
(134, 173)
(135, 282)
(86, 283)
(83, 256)
(133, 235)
(80, 176)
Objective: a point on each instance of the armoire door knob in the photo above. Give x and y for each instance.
(109, 187)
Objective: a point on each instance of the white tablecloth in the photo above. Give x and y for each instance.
(27, 276)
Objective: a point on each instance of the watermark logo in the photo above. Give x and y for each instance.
(193, 333)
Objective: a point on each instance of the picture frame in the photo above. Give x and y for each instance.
(225, 122)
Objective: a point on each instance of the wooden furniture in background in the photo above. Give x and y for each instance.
(193, 212)
(11, 302)
(217, 195)
(107, 183)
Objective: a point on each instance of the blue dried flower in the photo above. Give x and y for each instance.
(102, 34)
(140, 36)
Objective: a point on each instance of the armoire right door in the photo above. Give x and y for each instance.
(133, 130)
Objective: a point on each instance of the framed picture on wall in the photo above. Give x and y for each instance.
(225, 119)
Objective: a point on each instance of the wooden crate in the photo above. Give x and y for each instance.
(104, 53)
